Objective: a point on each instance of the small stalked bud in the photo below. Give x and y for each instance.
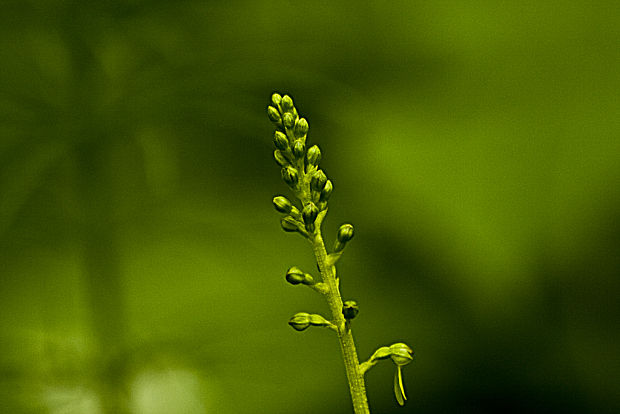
(300, 321)
(345, 233)
(382, 353)
(274, 115)
(350, 309)
(309, 214)
(301, 128)
(314, 155)
(318, 181)
(295, 276)
(280, 140)
(299, 149)
(280, 158)
(290, 176)
(276, 99)
(287, 103)
(282, 204)
(327, 191)
(289, 224)
(288, 120)
(401, 353)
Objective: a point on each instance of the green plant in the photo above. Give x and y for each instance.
(300, 171)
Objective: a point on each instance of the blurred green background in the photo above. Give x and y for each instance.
(474, 145)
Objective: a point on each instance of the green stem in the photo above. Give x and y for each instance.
(347, 344)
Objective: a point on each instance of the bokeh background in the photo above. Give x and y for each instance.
(474, 145)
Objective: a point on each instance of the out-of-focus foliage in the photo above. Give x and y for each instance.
(474, 145)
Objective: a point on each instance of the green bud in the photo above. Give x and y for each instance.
(287, 103)
(299, 149)
(280, 140)
(280, 158)
(282, 204)
(274, 115)
(350, 309)
(301, 128)
(314, 155)
(290, 176)
(276, 99)
(289, 224)
(288, 120)
(300, 321)
(327, 191)
(309, 214)
(318, 181)
(295, 276)
(401, 354)
(345, 233)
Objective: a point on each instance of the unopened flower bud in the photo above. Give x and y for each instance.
(280, 158)
(288, 120)
(299, 149)
(287, 103)
(282, 204)
(289, 224)
(300, 321)
(327, 191)
(345, 233)
(318, 181)
(280, 140)
(301, 128)
(309, 214)
(274, 115)
(308, 280)
(401, 354)
(295, 276)
(276, 99)
(290, 176)
(314, 155)
(350, 309)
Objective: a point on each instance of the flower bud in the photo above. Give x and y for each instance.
(288, 120)
(350, 309)
(401, 354)
(345, 233)
(295, 276)
(301, 128)
(314, 155)
(289, 224)
(280, 140)
(282, 204)
(287, 103)
(299, 149)
(327, 191)
(274, 115)
(300, 321)
(276, 99)
(280, 158)
(309, 214)
(318, 181)
(290, 176)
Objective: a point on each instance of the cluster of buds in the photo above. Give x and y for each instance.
(299, 167)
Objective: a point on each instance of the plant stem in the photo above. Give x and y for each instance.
(347, 344)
